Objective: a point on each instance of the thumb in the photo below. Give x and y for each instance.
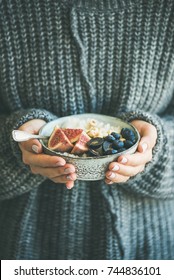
(32, 145)
(148, 139)
(144, 144)
(36, 147)
(32, 127)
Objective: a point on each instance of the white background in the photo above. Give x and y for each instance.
(89, 268)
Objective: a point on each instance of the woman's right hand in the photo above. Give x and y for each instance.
(52, 167)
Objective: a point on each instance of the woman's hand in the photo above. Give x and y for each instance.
(52, 167)
(130, 165)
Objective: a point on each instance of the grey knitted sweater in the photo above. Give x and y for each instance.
(66, 57)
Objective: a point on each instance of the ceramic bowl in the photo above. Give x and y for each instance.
(89, 168)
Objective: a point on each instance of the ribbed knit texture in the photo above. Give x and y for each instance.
(65, 57)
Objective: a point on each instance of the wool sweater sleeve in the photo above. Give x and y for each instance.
(15, 178)
(157, 179)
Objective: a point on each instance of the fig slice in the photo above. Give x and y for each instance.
(73, 134)
(58, 141)
(81, 145)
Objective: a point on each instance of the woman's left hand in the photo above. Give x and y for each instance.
(130, 165)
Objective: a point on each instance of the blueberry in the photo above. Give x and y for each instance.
(127, 133)
(111, 152)
(109, 138)
(106, 146)
(128, 144)
(117, 144)
(133, 139)
(121, 150)
(116, 135)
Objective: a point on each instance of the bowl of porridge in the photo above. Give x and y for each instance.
(90, 142)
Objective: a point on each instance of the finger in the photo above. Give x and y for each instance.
(64, 178)
(54, 172)
(70, 184)
(108, 181)
(52, 175)
(32, 145)
(124, 170)
(116, 178)
(42, 160)
(134, 159)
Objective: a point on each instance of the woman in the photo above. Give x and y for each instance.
(68, 57)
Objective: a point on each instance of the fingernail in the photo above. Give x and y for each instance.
(69, 177)
(116, 167)
(144, 146)
(110, 182)
(69, 188)
(59, 163)
(111, 175)
(123, 160)
(68, 170)
(35, 149)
